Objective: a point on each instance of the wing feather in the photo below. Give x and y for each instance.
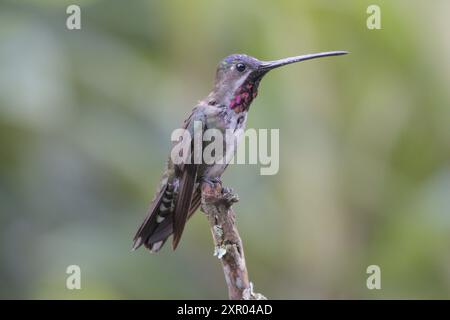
(183, 203)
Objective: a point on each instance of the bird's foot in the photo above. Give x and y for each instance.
(229, 196)
(214, 189)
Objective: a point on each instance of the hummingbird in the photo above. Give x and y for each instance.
(225, 108)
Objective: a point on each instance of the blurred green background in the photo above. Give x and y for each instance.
(85, 123)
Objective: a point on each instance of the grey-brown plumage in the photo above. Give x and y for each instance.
(226, 107)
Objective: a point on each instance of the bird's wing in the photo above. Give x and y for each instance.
(186, 188)
(171, 208)
(187, 180)
(195, 202)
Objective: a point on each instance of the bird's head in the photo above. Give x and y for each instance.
(238, 77)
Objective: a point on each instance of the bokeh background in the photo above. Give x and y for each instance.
(85, 123)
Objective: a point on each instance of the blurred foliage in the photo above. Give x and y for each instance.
(85, 123)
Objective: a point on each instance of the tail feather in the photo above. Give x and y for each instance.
(159, 210)
(163, 231)
(158, 226)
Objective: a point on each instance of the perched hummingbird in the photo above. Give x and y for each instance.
(226, 107)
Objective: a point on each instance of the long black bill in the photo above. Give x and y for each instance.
(269, 65)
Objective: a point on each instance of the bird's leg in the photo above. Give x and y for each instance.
(204, 179)
(211, 181)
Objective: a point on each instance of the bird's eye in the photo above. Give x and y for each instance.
(240, 67)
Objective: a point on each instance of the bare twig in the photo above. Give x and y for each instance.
(216, 203)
